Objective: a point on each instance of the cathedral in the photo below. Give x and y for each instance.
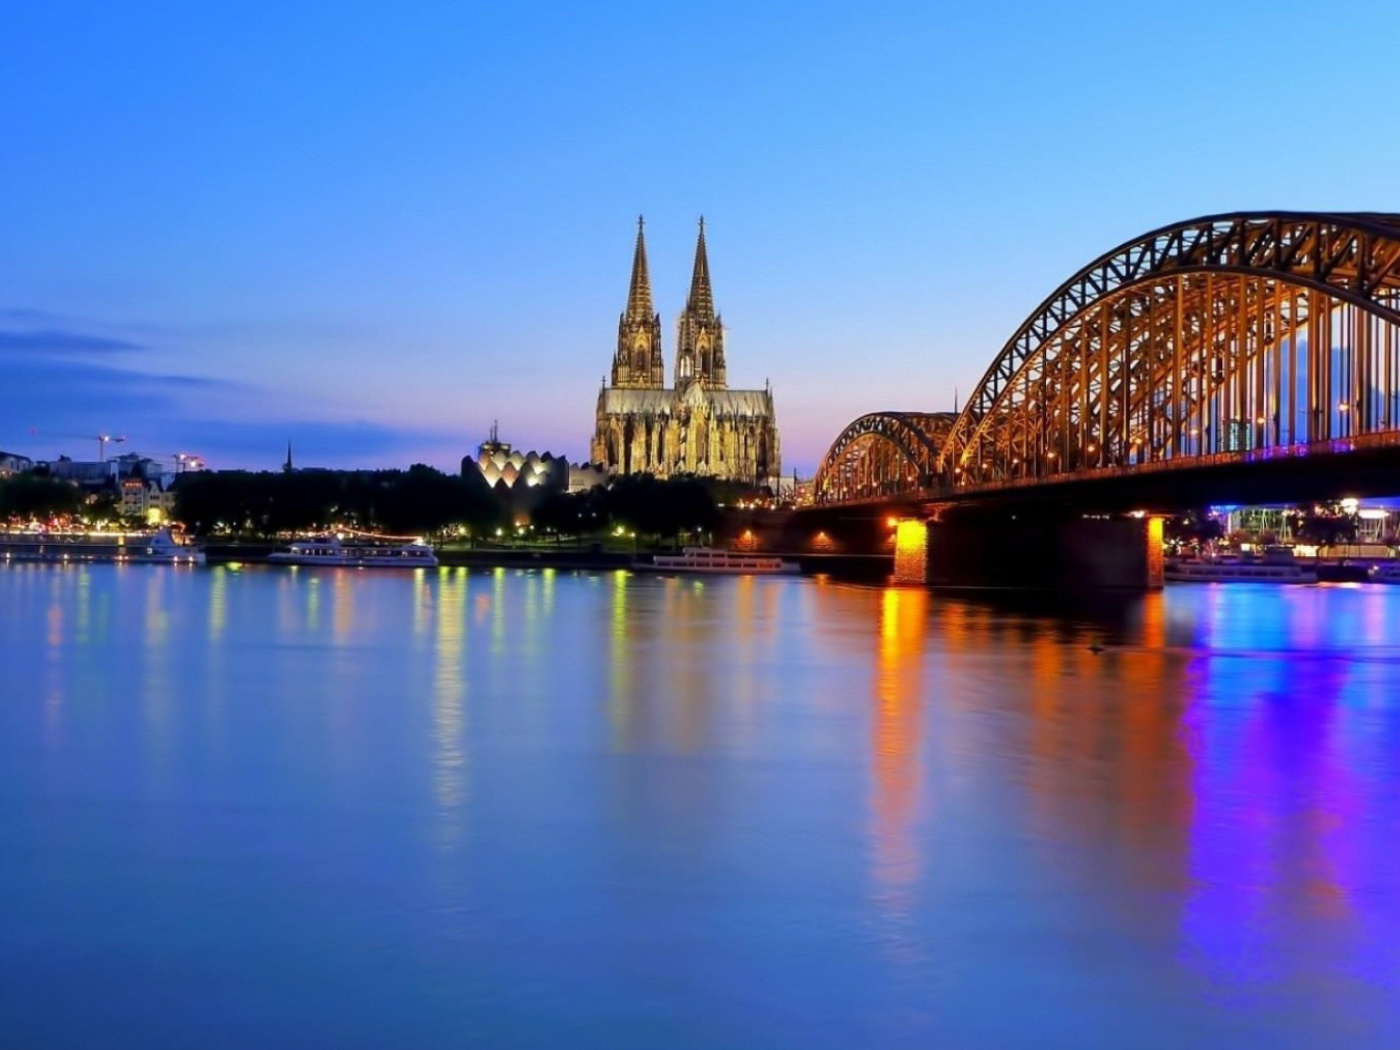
(699, 426)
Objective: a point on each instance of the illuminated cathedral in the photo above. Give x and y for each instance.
(699, 426)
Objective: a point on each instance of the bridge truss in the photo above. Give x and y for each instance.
(1221, 339)
(884, 454)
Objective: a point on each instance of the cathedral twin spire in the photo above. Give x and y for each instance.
(639, 294)
(638, 362)
(702, 299)
(700, 333)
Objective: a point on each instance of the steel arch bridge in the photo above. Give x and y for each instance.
(884, 454)
(1219, 340)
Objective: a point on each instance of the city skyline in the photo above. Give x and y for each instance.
(373, 238)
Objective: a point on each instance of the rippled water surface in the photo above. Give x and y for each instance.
(346, 809)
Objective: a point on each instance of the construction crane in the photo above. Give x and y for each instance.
(102, 440)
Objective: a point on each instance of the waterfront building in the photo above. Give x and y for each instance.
(1373, 521)
(103, 473)
(699, 426)
(519, 480)
(13, 463)
(146, 498)
(142, 487)
(91, 474)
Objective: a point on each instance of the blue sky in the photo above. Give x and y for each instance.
(375, 228)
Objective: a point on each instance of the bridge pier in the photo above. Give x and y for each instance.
(1091, 553)
(911, 554)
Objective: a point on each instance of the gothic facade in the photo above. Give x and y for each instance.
(699, 426)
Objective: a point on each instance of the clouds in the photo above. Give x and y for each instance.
(337, 443)
(57, 394)
(24, 330)
(60, 384)
(57, 341)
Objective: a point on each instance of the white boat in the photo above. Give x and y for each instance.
(705, 559)
(358, 555)
(113, 548)
(1238, 570)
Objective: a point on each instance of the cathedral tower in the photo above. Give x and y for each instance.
(698, 427)
(638, 364)
(700, 334)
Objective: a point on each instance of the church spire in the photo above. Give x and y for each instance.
(701, 303)
(637, 363)
(639, 307)
(700, 333)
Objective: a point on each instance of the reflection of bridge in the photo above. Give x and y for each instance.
(1248, 353)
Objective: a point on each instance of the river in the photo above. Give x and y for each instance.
(261, 807)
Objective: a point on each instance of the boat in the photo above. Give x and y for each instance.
(1274, 567)
(117, 548)
(709, 560)
(329, 551)
(1386, 572)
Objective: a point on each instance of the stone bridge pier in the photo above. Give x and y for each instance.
(1084, 553)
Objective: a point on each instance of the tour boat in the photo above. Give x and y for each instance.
(1238, 570)
(118, 548)
(359, 555)
(705, 559)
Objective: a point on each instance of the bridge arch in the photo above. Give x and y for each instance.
(883, 454)
(1222, 337)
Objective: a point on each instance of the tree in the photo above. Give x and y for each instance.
(570, 513)
(419, 500)
(1327, 525)
(639, 503)
(1195, 528)
(104, 507)
(25, 497)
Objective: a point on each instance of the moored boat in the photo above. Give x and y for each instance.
(1232, 569)
(119, 548)
(1385, 572)
(708, 560)
(330, 551)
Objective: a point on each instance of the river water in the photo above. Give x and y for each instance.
(266, 807)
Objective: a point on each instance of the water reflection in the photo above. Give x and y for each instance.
(637, 794)
(343, 592)
(422, 608)
(1295, 777)
(54, 663)
(449, 700)
(498, 613)
(898, 698)
(622, 701)
(218, 602)
(157, 699)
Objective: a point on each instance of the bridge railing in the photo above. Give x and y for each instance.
(1333, 446)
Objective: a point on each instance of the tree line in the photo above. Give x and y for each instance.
(639, 503)
(420, 500)
(29, 497)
